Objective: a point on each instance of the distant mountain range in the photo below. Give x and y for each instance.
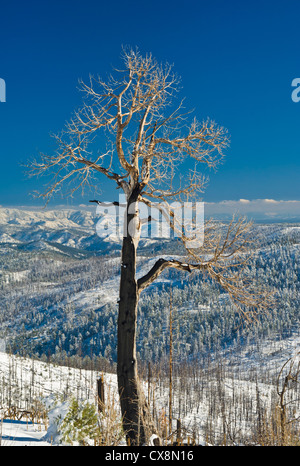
(83, 230)
(65, 230)
(49, 229)
(59, 285)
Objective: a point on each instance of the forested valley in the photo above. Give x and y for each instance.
(59, 306)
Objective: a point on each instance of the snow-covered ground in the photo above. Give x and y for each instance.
(22, 433)
(26, 382)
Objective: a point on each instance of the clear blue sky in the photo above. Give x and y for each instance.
(237, 60)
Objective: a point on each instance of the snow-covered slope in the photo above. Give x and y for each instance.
(200, 399)
(24, 382)
(70, 302)
(84, 229)
(39, 229)
(52, 219)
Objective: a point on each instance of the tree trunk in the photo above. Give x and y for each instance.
(137, 421)
(100, 389)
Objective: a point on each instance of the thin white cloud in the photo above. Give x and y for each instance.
(255, 208)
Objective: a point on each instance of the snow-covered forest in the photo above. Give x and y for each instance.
(58, 296)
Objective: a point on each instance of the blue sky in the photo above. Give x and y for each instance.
(237, 61)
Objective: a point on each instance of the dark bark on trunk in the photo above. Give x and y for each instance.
(100, 389)
(137, 422)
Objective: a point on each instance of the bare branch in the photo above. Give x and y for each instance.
(160, 266)
(149, 141)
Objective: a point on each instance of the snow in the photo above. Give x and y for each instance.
(54, 386)
(5, 238)
(15, 276)
(22, 433)
(53, 219)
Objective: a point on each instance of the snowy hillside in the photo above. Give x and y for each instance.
(36, 398)
(52, 219)
(49, 229)
(65, 230)
(43, 390)
(59, 284)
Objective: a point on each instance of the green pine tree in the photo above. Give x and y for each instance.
(80, 423)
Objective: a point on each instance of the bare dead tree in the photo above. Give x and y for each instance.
(287, 381)
(147, 140)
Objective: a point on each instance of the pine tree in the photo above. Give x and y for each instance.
(80, 423)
